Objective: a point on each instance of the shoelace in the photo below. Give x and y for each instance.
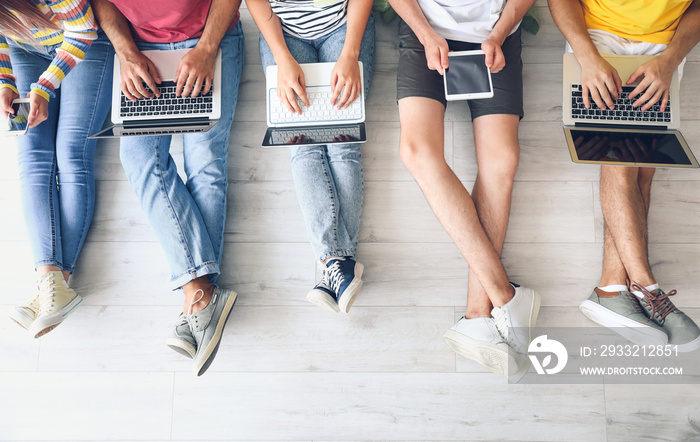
(334, 276)
(500, 320)
(494, 330)
(47, 292)
(189, 316)
(635, 302)
(659, 302)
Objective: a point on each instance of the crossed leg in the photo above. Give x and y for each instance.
(422, 151)
(624, 197)
(497, 154)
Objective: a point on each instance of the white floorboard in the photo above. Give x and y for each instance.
(287, 370)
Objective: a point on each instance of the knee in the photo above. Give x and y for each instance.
(418, 156)
(500, 166)
(645, 176)
(617, 177)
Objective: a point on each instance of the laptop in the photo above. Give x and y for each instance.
(624, 135)
(320, 123)
(167, 114)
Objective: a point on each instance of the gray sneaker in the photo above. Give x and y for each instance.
(681, 330)
(207, 326)
(622, 312)
(181, 339)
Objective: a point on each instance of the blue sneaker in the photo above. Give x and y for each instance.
(323, 296)
(344, 279)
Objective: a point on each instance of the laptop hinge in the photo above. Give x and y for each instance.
(166, 122)
(620, 126)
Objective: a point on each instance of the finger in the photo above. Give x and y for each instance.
(355, 93)
(352, 95)
(611, 88)
(500, 62)
(636, 75)
(586, 96)
(148, 79)
(653, 100)
(181, 82)
(197, 86)
(444, 58)
(301, 93)
(646, 97)
(126, 89)
(302, 85)
(291, 98)
(640, 88)
(488, 54)
(618, 82)
(596, 98)
(606, 97)
(33, 114)
(189, 86)
(207, 85)
(335, 89)
(139, 89)
(664, 101)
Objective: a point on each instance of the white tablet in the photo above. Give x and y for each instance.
(16, 123)
(467, 77)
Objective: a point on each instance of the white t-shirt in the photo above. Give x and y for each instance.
(463, 20)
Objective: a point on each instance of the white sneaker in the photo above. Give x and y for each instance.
(516, 318)
(479, 340)
(25, 314)
(56, 301)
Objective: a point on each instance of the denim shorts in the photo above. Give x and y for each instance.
(414, 79)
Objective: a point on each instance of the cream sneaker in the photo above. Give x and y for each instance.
(25, 314)
(56, 301)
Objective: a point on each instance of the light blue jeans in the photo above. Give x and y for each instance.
(328, 179)
(57, 179)
(188, 218)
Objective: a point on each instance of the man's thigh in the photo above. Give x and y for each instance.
(413, 78)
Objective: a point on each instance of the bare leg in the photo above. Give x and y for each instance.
(613, 270)
(192, 287)
(42, 270)
(497, 152)
(422, 151)
(625, 209)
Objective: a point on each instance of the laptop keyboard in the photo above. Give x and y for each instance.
(320, 108)
(167, 104)
(320, 135)
(623, 111)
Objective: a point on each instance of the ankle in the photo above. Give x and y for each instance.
(477, 313)
(198, 298)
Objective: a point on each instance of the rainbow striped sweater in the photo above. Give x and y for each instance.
(77, 31)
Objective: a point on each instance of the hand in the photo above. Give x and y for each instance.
(635, 150)
(38, 109)
(436, 51)
(290, 83)
(495, 60)
(345, 78)
(591, 150)
(7, 96)
(657, 83)
(137, 69)
(602, 81)
(195, 72)
(344, 137)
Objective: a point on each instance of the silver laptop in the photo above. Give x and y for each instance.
(167, 114)
(625, 135)
(320, 122)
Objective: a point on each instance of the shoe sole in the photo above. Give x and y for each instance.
(534, 313)
(689, 346)
(21, 318)
(628, 328)
(211, 350)
(348, 299)
(323, 300)
(495, 359)
(41, 326)
(182, 347)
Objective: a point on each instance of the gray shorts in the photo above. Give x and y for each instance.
(414, 79)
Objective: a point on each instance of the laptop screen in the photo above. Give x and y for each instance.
(349, 133)
(629, 147)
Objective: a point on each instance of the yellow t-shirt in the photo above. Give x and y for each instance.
(652, 21)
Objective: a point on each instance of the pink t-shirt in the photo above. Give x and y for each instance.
(169, 21)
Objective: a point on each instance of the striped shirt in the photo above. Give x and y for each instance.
(77, 31)
(310, 19)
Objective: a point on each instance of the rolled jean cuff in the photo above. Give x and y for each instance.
(207, 268)
(53, 262)
(339, 253)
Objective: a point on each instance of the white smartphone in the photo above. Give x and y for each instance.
(467, 77)
(16, 123)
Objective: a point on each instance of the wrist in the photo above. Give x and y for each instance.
(207, 46)
(670, 57)
(352, 53)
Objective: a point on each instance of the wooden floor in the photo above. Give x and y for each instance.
(287, 370)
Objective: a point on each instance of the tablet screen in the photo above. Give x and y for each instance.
(467, 74)
(17, 121)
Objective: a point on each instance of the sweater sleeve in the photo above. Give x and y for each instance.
(7, 80)
(79, 31)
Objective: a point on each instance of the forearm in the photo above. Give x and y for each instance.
(569, 18)
(358, 14)
(411, 13)
(512, 14)
(116, 26)
(686, 36)
(271, 29)
(221, 14)
(7, 78)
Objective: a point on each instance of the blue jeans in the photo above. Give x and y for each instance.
(328, 179)
(56, 159)
(188, 218)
